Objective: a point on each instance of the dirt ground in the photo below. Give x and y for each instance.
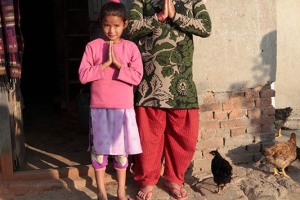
(57, 139)
(250, 182)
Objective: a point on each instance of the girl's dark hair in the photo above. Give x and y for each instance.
(112, 8)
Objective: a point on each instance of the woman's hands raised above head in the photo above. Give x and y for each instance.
(163, 15)
(171, 9)
(168, 11)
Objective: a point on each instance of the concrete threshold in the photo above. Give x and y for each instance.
(293, 123)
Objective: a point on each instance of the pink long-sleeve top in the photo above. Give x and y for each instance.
(111, 87)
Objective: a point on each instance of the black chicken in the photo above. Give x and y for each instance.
(281, 116)
(221, 170)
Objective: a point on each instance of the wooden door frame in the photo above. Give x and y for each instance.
(6, 158)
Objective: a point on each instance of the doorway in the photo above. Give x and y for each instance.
(54, 136)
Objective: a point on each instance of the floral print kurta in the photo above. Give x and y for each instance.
(167, 51)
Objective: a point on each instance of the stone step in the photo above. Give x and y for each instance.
(26, 182)
(293, 124)
(294, 120)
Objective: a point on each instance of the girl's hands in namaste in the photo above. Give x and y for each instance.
(115, 60)
(112, 59)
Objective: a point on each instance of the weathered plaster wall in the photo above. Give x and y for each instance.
(241, 51)
(288, 57)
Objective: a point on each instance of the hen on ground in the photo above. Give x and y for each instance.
(297, 158)
(221, 170)
(281, 117)
(282, 154)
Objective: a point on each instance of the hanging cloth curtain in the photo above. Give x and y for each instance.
(11, 44)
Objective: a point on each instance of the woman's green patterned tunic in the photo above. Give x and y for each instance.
(167, 51)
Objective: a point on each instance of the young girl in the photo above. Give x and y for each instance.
(113, 66)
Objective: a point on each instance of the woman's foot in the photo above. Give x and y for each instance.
(145, 193)
(176, 191)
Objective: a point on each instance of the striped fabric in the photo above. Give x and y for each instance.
(11, 43)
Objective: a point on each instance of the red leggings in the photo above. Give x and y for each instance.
(171, 133)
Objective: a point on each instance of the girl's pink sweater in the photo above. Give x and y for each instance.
(111, 87)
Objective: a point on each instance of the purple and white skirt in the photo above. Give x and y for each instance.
(114, 132)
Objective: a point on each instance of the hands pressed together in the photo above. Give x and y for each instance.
(168, 11)
(112, 59)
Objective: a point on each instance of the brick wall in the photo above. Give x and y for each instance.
(237, 123)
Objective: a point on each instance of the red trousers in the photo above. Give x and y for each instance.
(165, 133)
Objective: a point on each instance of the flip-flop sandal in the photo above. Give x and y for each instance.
(177, 193)
(143, 195)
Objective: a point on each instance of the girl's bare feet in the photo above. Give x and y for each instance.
(121, 194)
(124, 198)
(102, 196)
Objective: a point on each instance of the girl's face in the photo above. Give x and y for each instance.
(113, 27)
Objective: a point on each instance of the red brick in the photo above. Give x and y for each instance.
(221, 96)
(237, 114)
(206, 125)
(261, 120)
(263, 102)
(223, 132)
(254, 113)
(268, 111)
(237, 131)
(207, 134)
(265, 128)
(251, 94)
(267, 119)
(255, 122)
(220, 115)
(267, 93)
(264, 137)
(237, 94)
(235, 123)
(206, 116)
(254, 129)
(238, 104)
(210, 107)
(239, 140)
(211, 143)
